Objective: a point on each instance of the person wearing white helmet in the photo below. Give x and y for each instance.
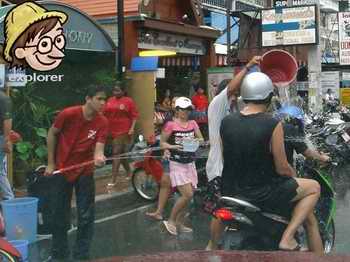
(256, 167)
(183, 174)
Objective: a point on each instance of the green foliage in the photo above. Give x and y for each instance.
(33, 153)
(32, 118)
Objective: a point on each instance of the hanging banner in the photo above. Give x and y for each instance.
(330, 80)
(215, 76)
(344, 38)
(289, 26)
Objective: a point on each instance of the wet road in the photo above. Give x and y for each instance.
(127, 231)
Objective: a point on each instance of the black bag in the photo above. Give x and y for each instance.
(41, 187)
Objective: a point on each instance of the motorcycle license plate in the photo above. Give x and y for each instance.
(346, 137)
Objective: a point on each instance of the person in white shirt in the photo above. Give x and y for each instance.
(226, 94)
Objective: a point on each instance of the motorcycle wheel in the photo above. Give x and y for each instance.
(6, 257)
(329, 238)
(145, 185)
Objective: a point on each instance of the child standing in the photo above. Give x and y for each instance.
(183, 174)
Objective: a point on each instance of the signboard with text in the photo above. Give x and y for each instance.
(289, 26)
(345, 96)
(344, 38)
(171, 42)
(330, 80)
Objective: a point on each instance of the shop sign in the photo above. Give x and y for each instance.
(171, 42)
(345, 96)
(289, 26)
(330, 80)
(280, 3)
(344, 38)
(346, 76)
(324, 4)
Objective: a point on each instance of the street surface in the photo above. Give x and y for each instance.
(123, 230)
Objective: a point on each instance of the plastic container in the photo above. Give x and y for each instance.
(20, 215)
(190, 145)
(22, 247)
(280, 66)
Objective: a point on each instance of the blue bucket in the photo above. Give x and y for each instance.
(22, 247)
(20, 216)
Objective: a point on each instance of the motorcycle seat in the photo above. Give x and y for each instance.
(237, 202)
(232, 201)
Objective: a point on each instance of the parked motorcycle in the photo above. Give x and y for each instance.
(8, 252)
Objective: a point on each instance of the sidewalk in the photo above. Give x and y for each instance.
(102, 177)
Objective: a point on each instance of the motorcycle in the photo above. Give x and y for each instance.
(248, 227)
(8, 252)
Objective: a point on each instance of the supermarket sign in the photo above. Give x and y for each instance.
(289, 26)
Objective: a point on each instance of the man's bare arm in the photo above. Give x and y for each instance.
(235, 83)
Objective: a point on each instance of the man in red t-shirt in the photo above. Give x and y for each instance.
(201, 103)
(77, 135)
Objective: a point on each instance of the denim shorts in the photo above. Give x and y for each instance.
(165, 165)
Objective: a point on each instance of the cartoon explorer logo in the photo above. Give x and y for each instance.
(34, 37)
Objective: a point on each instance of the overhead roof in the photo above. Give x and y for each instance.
(104, 9)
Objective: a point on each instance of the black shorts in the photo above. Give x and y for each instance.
(283, 191)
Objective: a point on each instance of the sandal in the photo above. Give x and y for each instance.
(154, 216)
(170, 228)
(297, 248)
(184, 229)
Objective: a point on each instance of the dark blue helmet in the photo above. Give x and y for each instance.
(291, 111)
(292, 114)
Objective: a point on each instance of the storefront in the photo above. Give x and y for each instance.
(192, 47)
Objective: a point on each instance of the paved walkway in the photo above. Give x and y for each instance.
(102, 177)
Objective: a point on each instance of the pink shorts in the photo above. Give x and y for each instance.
(182, 174)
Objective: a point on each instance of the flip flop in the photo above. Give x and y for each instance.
(170, 228)
(184, 229)
(155, 217)
(297, 248)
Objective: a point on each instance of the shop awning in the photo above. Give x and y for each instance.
(81, 31)
(180, 28)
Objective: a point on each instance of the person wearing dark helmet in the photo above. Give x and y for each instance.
(256, 167)
(292, 118)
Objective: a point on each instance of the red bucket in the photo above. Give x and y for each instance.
(280, 66)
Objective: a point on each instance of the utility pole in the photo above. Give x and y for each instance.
(315, 68)
(120, 60)
(228, 25)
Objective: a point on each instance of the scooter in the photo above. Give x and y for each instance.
(9, 252)
(248, 227)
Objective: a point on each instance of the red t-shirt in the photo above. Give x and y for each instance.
(201, 104)
(120, 113)
(77, 139)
